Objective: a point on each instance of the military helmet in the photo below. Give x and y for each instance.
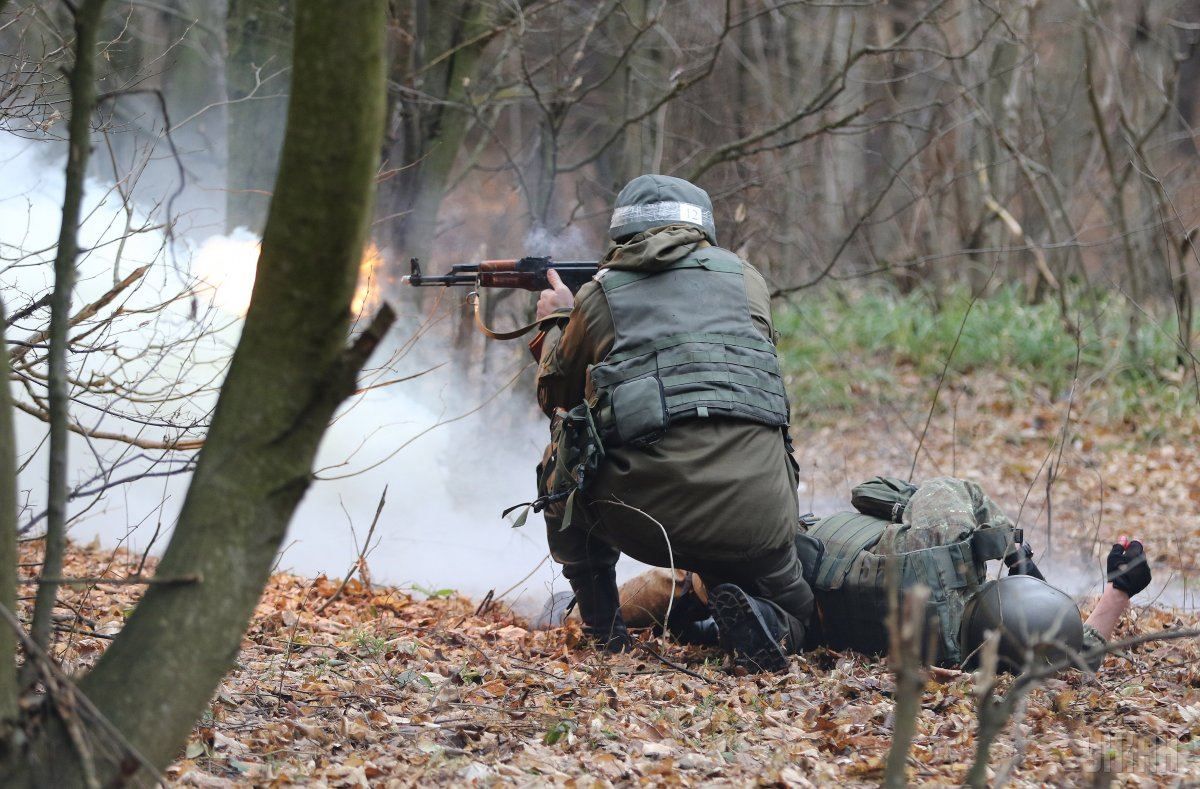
(1038, 624)
(650, 201)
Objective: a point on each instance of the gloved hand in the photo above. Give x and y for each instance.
(1128, 567)
(1020, 562)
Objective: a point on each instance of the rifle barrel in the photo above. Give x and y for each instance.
(528, 273)
(446, 280)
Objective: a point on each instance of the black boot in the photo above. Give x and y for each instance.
(749, 629)
(599, 608)
(701, 633)
(691, 620)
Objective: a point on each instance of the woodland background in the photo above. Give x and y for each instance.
(977, 217)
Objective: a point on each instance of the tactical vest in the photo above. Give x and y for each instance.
(850, 580)
(686, 347)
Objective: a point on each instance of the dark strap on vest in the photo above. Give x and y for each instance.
(993, 542)
(686, 337)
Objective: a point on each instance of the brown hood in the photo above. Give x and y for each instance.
(655, 249)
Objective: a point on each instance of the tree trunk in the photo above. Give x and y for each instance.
(258, 77)
(1188, 93)
(8, 539)
(429, 129)
(290, 371)
(83, 101)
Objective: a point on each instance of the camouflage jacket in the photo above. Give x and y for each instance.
(945, 508)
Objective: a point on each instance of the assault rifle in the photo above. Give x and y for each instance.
(527, 273)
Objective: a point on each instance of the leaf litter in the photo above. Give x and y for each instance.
(387, 689)
(390, 687)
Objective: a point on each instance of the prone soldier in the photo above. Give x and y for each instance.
(942, 535)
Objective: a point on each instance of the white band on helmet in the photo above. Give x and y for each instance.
(666, 211)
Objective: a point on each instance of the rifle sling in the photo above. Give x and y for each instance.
(521, 331)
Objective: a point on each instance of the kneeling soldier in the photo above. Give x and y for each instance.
(669, 427)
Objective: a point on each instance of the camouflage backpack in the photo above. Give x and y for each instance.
(942, 536)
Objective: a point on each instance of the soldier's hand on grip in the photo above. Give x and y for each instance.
(1128, 567)
(556, 298)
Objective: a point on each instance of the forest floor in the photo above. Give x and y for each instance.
(381, 686)
(378, 686)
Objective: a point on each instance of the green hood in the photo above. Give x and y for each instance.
(655, 249)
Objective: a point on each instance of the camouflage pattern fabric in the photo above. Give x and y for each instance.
(942, 511)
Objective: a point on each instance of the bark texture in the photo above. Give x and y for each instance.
(83, 101)
(258, 79)
(290, 371)
(8, 538)
(430, 122)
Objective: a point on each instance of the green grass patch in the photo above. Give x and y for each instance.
(843, 353)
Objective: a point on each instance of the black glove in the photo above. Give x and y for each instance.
(1128, 568)
(1020, 562)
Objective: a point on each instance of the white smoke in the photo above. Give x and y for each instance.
(569, 243)
(453, 453)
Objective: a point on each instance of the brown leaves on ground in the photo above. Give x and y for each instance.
(385, 687)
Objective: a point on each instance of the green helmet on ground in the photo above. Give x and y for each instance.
(651, 201)
(1038, 624)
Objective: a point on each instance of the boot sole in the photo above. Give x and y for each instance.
(738, 622)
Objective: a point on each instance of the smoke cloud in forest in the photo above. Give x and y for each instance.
(451, 450)
(569, 243)
(454, 447)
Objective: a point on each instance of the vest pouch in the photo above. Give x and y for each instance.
(639, 410)
(883, 497)
(863, 607)
(576, 455)
(810, 550)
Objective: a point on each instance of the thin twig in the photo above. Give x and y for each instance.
(361, 555)
(287, 654)
(528, 575)
(136, 580)
(83, 100)
(649, 650)
(945, 368)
